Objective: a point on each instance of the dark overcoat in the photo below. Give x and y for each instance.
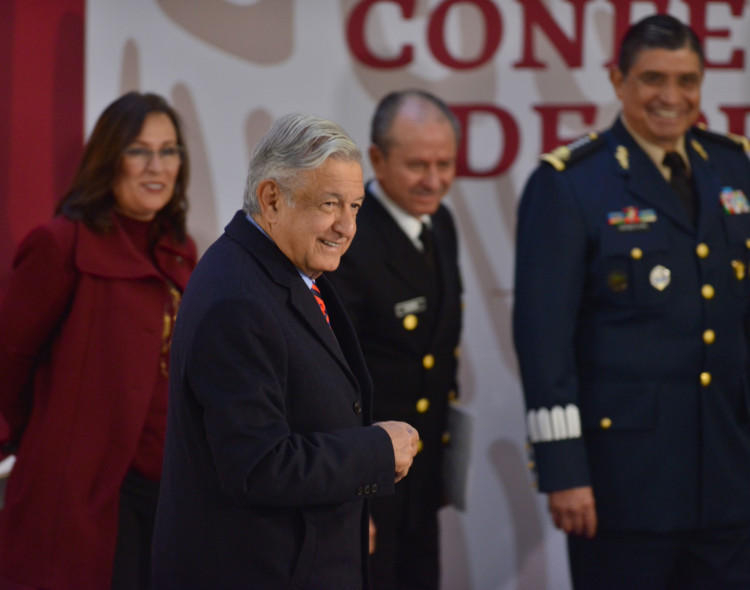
(631, 327)
(268, 461)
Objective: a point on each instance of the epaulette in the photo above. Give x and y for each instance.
(565, 155)
(736, 141)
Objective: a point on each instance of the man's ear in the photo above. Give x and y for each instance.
(616, 77)
(269, 195)
(377, 158)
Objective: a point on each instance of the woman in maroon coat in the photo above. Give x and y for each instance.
(85, 330)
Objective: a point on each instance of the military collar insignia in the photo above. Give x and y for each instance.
(699, 148)
(621, 155)
(734, 201)
(631, 219)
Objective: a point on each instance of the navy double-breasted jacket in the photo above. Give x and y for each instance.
(409, 329)
(268, 459)
(631, 328)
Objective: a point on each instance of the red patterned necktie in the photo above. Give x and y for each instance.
(321, 303)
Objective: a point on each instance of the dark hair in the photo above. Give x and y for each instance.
(659, 31)
(90, 199)
(388, 108)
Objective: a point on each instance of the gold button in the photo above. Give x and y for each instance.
(167, 329)
(446, 438)
(705, 379)
(701, 250)
(428, 361)
(452, 395)
(636, 253)
(605, 423)
(423, 405)
(709, 336)
(739, 269)
(410, 321)
(420, 446)
(747, 243)
(707, 291)
(457, 352)
(531, 465)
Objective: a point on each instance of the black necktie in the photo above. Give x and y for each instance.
(428, 246)
(680, 182)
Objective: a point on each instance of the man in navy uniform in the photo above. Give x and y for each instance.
(400, 284)
(631, 328)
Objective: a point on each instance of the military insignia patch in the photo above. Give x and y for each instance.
(621, 155)
(660, 277)
(617, 281)
(410, 306)
(631, 219)
(734, 201)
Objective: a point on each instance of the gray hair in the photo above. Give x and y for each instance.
(295, 143)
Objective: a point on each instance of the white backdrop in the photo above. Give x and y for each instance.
(529, 72)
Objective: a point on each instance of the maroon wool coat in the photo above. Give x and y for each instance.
(81, 331)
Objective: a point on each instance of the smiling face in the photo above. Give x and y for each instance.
(661, 94)
(316, 230)
(145, 184)
(419, 167)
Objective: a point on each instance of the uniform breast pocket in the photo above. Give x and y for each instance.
(737, 228)
(634, 266)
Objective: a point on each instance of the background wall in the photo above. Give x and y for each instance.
(523, 76)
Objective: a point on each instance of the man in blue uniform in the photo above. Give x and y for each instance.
(631, 328)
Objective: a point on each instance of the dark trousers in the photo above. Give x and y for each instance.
(717, 559)
(132, 566)
(407, 554)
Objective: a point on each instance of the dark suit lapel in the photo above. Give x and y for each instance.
(346, 337)
(403, 258)
(643, 179)
(303, 301)
(450, 282)
(282, 272)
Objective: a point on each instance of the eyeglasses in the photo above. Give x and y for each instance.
(169, 156)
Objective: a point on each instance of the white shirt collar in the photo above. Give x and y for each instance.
(410, 225)
(656, 153)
